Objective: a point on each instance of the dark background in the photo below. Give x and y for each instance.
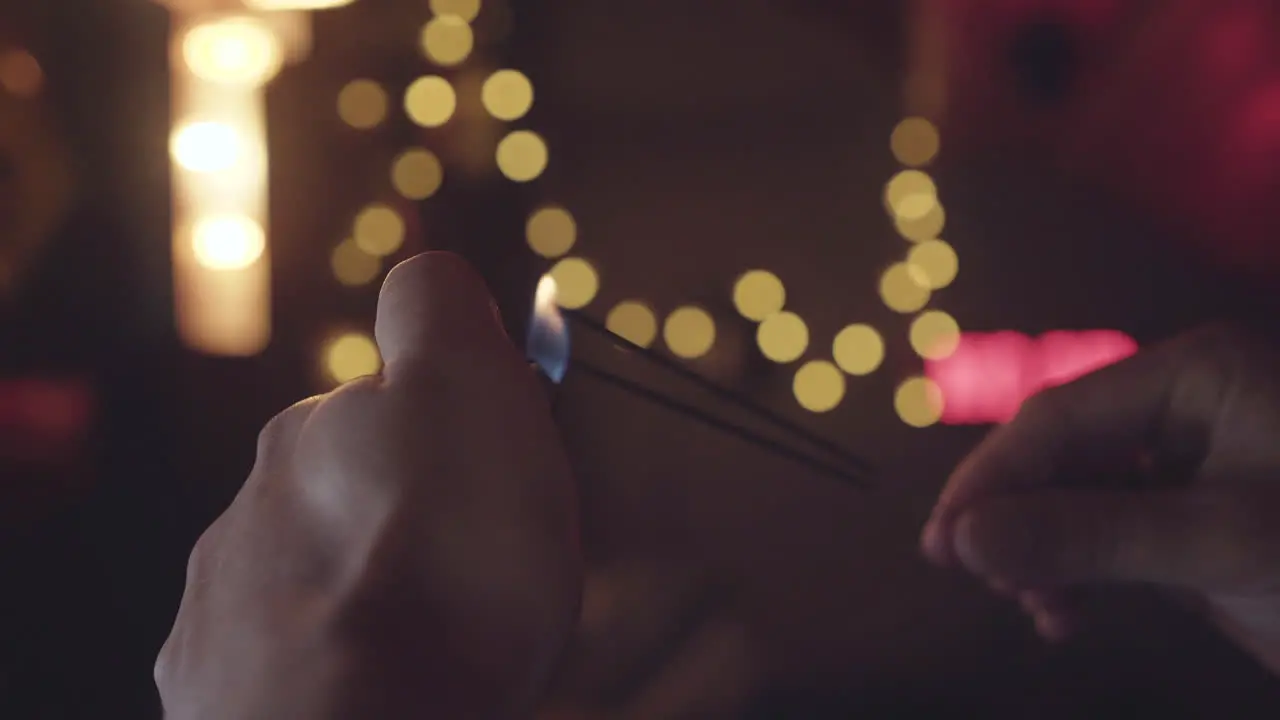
(1087, 187)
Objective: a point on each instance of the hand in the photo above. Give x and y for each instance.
(1043, 504)
(406, 545)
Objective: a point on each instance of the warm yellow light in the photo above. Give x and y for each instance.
(277, 5)
(379, 230)
(467, 10)
(936, 262)
(227, 242)
(910, 195)
(919, 402)
(417, 174)
(902, 290)
(577, 282)
(926, 227)
(689, 332)
(206, 147)
(352, 266)
(352, 356)
(362, 104)
(430, 101)
(783, 337)
(819, 386)
(20, 73)
(632, 320)
(759, 294)
(522, 155)
(507, 95)
(858, 349)
(551, 231)
(935, 335)
(233, 51)
(447, 40)
(915, 142)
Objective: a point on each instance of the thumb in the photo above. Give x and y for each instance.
(1052, 538)
(433, 304)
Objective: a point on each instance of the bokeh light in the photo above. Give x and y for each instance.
(783, 337)
(352, 266)
(447, 40)
(379, 230)
(351, 356)
(758, 294)
(915, 142)
(910, 195)
(858, 349)
(363, 104)
(902, 289)
(417, 174)
(577, 282)
(20, 73)
(934, 335)
(228, 242)
(233, 51)
(551, 231)
(206, 147)
(467, 10)
(689, 332)
(507, 95)
(522, 155)
(633, 321)
(818, 386)
(919, 402)
(278, 5)
(430, 101)
(935, 262)
(926, 227)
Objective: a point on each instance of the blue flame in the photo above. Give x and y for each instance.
(547, 345)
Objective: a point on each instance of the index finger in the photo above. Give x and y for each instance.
(1090, 420)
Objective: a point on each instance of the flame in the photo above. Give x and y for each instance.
(548, 343)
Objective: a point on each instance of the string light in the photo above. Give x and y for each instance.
(466, 10)
(934, 335)
(417, 174)
(858, 349)
(351, 356)
(915, 142)
(363, 104)
(902, 290)
(228, 242)
(206, 147)
(926, 227)
(919, 402)
(783, 337)
(352, 266)
(430, 101)
(507, 95)
(818, 386)
(447, 40)
(234, 51)
(758, 294)
(634, 321)
(910, 195)
(577, 282)
(689, 332)
(936, 263)
(551, 231)
(379, 230)
(522, 155)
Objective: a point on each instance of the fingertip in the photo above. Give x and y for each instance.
(934, 544)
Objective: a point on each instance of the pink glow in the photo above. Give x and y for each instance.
(991, 374)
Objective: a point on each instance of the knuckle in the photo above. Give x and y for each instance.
(280, 433)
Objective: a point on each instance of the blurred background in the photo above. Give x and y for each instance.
(887, 222)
